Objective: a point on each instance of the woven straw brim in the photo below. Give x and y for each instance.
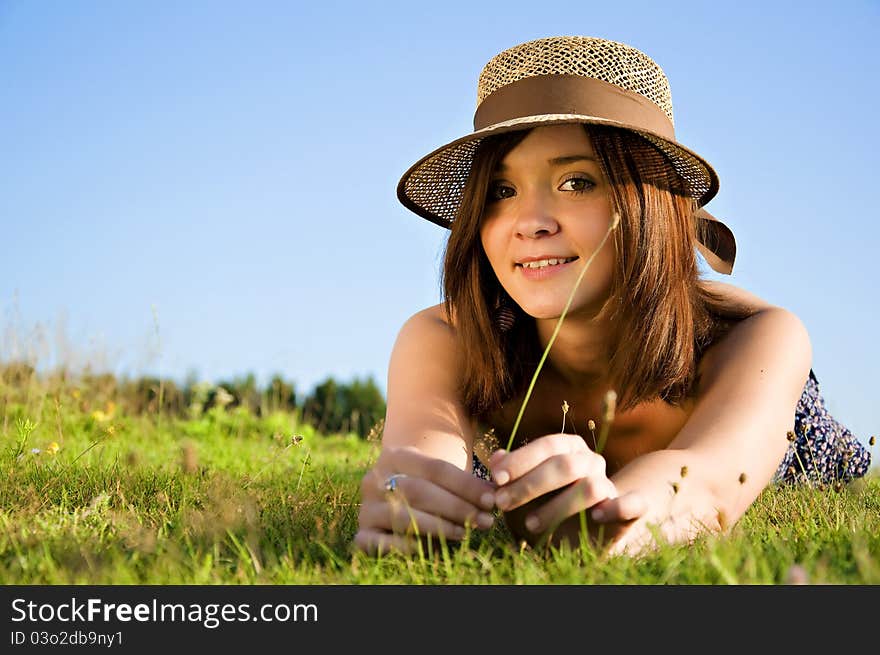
(433, 186)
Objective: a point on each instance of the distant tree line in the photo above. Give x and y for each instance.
(332, 406)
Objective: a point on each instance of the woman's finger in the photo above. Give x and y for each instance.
(580, 495)
(627, 507)
(506, 466)
(640, 539)
(462, 484)
(556, 472)
(378, 542)
(430, 498)
(400, 518)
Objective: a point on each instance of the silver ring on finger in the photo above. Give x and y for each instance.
(391, 482)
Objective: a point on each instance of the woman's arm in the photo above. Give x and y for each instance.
(428, 439)
(422, 407)
(555, 477)
(733, 442)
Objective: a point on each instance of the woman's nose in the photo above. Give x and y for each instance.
(535, 215)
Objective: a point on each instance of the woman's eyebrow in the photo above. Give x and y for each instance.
(570, 159)
(557, 161)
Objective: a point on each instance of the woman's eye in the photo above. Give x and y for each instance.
(577, 184)
(499, 191)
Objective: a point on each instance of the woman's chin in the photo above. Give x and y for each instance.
(554, 310)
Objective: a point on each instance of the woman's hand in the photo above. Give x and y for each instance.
(431, 498)
(550, 480)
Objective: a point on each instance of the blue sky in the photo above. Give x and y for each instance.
(209, 187)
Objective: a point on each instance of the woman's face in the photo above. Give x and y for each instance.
(549, 199)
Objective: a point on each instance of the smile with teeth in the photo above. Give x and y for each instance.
(543, 263)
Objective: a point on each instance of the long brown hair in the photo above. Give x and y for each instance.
(663, 317)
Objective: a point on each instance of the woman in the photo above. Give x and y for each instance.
(625, 396)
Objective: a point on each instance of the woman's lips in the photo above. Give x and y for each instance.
(544, 272)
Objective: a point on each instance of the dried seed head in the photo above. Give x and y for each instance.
(565, 407)
(742, 478)
(591, 424)
(790, 435)
(684, 471)
(872, 440)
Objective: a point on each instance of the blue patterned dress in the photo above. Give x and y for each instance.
(821, 450)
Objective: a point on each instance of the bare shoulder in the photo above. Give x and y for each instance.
(431, 330)
(737, 296)
(437, 313)
(740, 300)
(772, 337)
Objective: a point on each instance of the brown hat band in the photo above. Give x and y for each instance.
(572, 94)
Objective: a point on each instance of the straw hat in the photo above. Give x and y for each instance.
(569, 79)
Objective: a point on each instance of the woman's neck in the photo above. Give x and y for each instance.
(580, 351)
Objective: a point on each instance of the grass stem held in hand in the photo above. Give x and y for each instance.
(614, 223)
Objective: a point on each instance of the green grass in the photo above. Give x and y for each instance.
(229, 498)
